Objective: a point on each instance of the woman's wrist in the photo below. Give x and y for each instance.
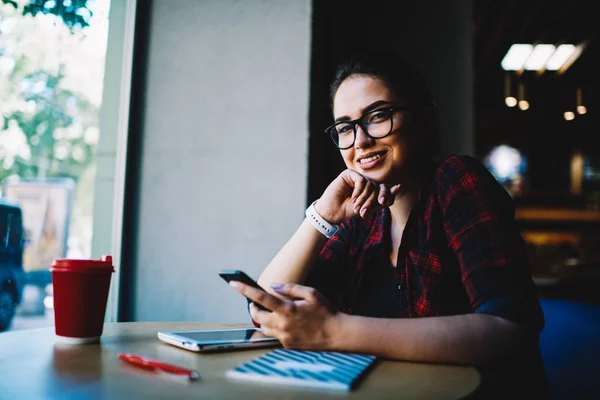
(319, 223)
(324, 213)
(335, 331)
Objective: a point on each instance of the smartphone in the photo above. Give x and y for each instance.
(224, 339)
(240, 276)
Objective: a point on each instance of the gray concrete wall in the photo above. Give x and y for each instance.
(222, 181)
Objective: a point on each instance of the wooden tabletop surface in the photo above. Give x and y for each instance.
(34, 366)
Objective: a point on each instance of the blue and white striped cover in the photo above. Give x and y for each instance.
(317, 369)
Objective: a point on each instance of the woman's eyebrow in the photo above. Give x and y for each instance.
(368, 108)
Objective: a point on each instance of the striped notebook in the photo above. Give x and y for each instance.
(315, 369)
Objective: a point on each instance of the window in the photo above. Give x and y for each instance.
(52, 60)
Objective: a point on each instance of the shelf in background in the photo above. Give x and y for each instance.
(557, 215)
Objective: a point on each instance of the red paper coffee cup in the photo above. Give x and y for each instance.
(80, 289)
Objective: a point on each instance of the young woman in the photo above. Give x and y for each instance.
(402, 257)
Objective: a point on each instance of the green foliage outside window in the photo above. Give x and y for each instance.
(56, 116)
(72, 12)
(52, 57)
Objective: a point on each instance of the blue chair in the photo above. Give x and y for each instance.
(570, 346)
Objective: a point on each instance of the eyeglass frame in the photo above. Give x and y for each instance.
(358, 121)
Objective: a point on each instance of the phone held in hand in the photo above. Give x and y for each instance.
(240, 276)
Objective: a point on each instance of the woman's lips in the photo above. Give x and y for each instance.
(371, 161)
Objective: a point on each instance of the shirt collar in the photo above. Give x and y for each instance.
(383, 218)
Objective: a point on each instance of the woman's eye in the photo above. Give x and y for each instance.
(378, 116)
(344, 128)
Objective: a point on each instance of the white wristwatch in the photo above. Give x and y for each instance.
(319, 222)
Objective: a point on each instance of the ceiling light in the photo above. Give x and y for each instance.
(537, 59)
(523, 104)
(509, 99)
(516, 56)
(560, 56)
(569, 115)
(581, 109)
(578, 50)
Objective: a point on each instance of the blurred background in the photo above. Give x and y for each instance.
(185, 137)
(535, 87)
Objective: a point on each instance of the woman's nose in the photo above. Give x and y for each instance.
(362, 139)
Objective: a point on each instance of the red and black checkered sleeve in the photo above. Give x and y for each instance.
(481, 229)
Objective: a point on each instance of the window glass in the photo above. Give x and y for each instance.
(52, 59)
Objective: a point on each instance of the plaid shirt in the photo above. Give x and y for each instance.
(461, 252)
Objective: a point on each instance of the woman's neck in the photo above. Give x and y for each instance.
(406, 200)
(407, 197)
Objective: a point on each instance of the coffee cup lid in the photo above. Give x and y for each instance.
(63, 264)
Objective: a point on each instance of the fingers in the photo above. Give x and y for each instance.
(275, 324)
(374, 199)
(360, 184)
(364, 195)
(387, 196)
(296, 291)
(259, 296)
(259, 316)
(270, 323)
(368, 196)
(366, 203)
(382, 197)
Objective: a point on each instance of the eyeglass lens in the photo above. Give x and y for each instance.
(377, 123)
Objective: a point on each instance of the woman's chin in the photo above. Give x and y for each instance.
(386, 177)
(377, 176)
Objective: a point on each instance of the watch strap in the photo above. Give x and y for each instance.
(320, 223)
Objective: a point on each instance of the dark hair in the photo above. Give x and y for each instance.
(401, 77)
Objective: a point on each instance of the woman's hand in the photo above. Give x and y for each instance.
(352, 194)
(308, 322)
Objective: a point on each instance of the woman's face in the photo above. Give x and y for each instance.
(383, 160)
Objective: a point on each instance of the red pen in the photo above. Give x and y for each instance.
(159, 366)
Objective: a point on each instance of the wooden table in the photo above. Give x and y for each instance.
(34, 366)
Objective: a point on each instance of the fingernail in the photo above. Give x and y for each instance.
(381, 200)
(234, 284)
(363, 212)
(276, 286)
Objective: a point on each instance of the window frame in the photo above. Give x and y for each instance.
(109, 187)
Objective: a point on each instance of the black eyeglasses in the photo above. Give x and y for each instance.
(376, 124)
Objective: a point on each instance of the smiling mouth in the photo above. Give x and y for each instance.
(366, 160)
